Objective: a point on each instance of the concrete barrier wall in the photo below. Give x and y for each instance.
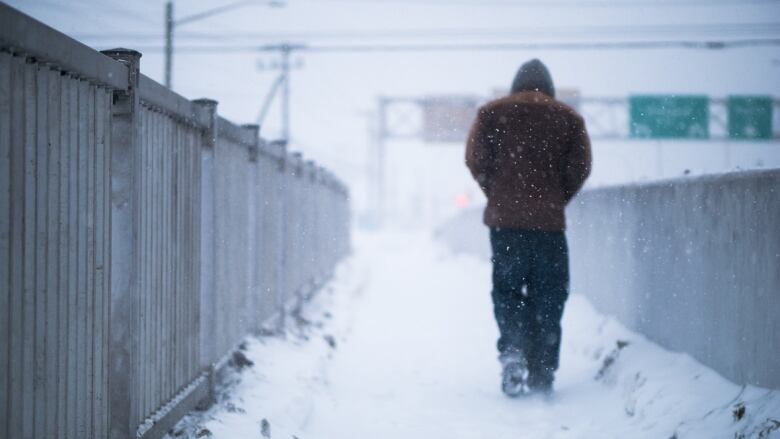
(142, 237)
(694, 264)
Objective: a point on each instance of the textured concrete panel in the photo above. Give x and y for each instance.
(694, 264)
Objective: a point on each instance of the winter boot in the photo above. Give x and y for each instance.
(514, 374)
(541, 382)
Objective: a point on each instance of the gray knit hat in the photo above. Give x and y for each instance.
(534, 75)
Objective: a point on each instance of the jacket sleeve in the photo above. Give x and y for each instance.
(479, 151)
(578, 159)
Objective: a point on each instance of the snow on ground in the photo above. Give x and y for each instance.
(402, 345)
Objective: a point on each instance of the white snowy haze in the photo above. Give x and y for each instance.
(334, 94)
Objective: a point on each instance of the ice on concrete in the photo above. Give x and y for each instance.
(402, 345)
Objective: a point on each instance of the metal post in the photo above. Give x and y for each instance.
(123, 348)
(168, 43)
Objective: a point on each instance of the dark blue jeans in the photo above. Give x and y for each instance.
(530, 288)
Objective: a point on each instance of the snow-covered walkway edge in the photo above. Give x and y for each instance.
(401, 345)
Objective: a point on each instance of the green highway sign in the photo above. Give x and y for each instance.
(750, 117)
(669, 117)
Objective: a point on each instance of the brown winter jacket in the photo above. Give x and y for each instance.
(530, 154)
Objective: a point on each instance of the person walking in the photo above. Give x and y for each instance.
(530, 154)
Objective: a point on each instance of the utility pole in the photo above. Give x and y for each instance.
(269, 99)
(285, 51)
(171, 23)
(168, 42)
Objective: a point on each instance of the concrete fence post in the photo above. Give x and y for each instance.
(254, 131)
(295, 218)
(316, 226)
(124, 311)
(309, 255)
(254, 232)
(208, 278)
(281, 228)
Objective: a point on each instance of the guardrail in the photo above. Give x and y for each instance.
(142, 237)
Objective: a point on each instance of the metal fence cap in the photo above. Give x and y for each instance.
(296, 158)
(121, 52)
(310, 169)
(254, 133)
(262, 145)
(296, 161)
(277, 149)
(206, 102)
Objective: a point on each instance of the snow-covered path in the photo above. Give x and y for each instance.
(422, 359)
(414, 356)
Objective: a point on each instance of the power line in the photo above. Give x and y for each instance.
(225, 8)
(614, 45)
(709, 45)
(562, 3)
(172, 22)
(665, 29)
